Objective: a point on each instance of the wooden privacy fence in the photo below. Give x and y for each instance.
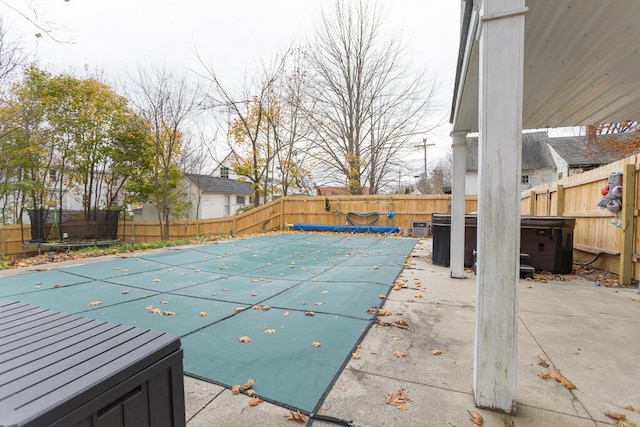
(597, 232)
(573, 197)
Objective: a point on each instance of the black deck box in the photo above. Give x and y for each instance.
(546, 241)
(63, 370)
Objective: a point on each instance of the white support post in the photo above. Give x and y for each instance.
(498, 241)
(459, 147)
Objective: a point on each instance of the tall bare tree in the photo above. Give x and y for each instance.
(167, 103)
(264, 125)
(368, 104)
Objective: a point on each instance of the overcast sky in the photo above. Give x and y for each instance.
(118, 36)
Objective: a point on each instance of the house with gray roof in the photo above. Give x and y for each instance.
(546, 159)
(214, 197)
(538, 165)
(208, 197)
(577, 154)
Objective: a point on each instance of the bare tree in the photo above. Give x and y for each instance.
(167, 103)
(265, 126)
(368, 105)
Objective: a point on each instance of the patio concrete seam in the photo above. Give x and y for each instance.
(206, 404)
(377, 375)
(574, 398)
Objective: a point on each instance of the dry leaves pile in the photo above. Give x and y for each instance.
(476, 418)
(295, 416)
(398, 399)
(556, 375)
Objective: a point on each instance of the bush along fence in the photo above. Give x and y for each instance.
(603, 238)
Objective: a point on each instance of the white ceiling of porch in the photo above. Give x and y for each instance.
(581, 65)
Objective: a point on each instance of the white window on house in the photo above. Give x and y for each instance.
(227, 205)
(524, 179)
(560, 175)
(250, 200)
(240, 200)
(224, 172)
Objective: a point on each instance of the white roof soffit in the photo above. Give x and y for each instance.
(581, 65)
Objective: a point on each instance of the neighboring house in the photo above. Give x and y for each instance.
(538, 165)
(545, 159)
(577, 154)
(209, 197)
(336, 191)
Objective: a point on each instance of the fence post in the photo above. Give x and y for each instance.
(560, 200)
(532, 203)
(282, 213)
(628, 207)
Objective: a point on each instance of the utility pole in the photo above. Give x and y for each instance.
(424, 145)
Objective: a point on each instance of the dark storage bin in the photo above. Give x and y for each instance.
(547, 241)
(65, 370)
(442, 238)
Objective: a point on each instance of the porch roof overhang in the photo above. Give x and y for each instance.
(581, 64)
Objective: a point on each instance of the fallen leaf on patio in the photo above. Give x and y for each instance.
(196, 271)
(436, 352)
(399, 354)
(251, 392)
(384, 313)
(355, 356)
(203, 314)
(324, 292)
(509, 423)
(37, 286)
(371, 311)
(309, 313)
(235, 389)
(244, 338)
(238, 309)
(265, 308)
(615, 416)
(254, 294)
(319, 303)
(126, 292)
(635, 299)
(257, 307)
(476, 418)
(164, 302)
(224, 289)
(625, 423)
(382, 296)
(92, 303)
(295, 416)
(632, 409)
(155, 311)
(417, 296)
(255, 280)
(255, 401)
(286, 313)
(156, 280)
(149, 307)
(411, 300)
(397, 397)
(541, 362)
(316, 344)
(556, 375)
(402, 407)
(56, 286)
(397, 287)
(248, 384)
(270, 331)
(401, 323)
(169, 313)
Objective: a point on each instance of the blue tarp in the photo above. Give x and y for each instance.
(378, 229)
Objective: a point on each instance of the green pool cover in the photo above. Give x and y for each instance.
(300, 301)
